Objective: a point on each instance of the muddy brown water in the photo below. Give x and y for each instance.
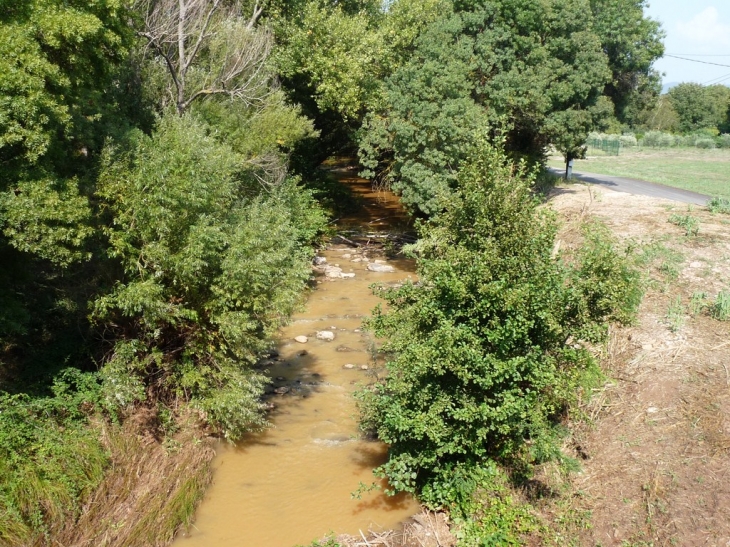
(293, 483)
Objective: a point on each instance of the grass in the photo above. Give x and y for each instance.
(703, 171)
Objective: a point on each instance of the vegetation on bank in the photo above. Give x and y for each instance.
(158, 208)
(491, 348)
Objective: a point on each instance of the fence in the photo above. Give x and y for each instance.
(611, 147)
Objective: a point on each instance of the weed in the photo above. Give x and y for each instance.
(329, 541)
(675, 315)
(719, 205)
(690, 223)
(665, 260)
(720, 309)
(697, 303)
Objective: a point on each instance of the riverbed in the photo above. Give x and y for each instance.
(293, 483)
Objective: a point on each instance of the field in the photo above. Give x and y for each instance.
(703, 171)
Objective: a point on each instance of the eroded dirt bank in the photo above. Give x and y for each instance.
(655, 450)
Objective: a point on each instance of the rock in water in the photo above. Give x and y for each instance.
(301, 339)
(333, 271)
(326, 335)
(319, 260)
(382, 268)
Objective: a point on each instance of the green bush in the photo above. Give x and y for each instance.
(658, 139)
(723, 141)
(719, 205)
(49, 457)
(488, 351)
(212, 265)
(705, 143)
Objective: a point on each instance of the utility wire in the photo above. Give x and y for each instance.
(717, 80)
(695, 60)
(697, 55)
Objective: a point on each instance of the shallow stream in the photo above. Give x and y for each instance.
(293, 483)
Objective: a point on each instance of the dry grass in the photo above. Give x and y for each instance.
(149, 492)
(427, 529)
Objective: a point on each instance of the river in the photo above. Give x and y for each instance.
(292, 483)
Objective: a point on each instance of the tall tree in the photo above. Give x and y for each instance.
(530, 71)
(209, 48)
(699, 107)
(632, 42)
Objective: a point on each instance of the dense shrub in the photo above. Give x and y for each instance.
(658, 139)
(49, 457)
(705, 143)
(488, 351)
(211, 267)
(628, 141)
(723, 141)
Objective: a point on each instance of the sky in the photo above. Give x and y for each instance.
(696, 29)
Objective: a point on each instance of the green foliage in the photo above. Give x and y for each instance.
(689, 223)
(329, 541)
(720, 308)
(49, 457)
(482, 509)
(528, 70)
(676, 315)
(338, 54)
(632, 42)
(609, 284)
(199, 245)
(700, 107)
(48, 218)
(697, 303)
(719, 205)
(487, 352)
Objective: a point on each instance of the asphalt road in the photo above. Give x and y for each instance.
(638, 187)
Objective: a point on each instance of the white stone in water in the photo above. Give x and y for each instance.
(349, 366)
(346, 256)
(382, 268)
(301, 339)
(319, 260)
(326, 335)
(356, 260)
(364, 367)
(347, 275)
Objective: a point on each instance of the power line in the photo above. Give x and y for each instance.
(695, 60)
(697, 55)
(717, 80)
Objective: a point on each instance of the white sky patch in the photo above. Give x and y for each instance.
(706, 28)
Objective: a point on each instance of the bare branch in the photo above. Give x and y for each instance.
(227, 52)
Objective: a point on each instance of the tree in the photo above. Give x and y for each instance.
(662, 117)
(209, 49)
(632, 43)
(719, 97)
(699, 107)
(530, 71)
